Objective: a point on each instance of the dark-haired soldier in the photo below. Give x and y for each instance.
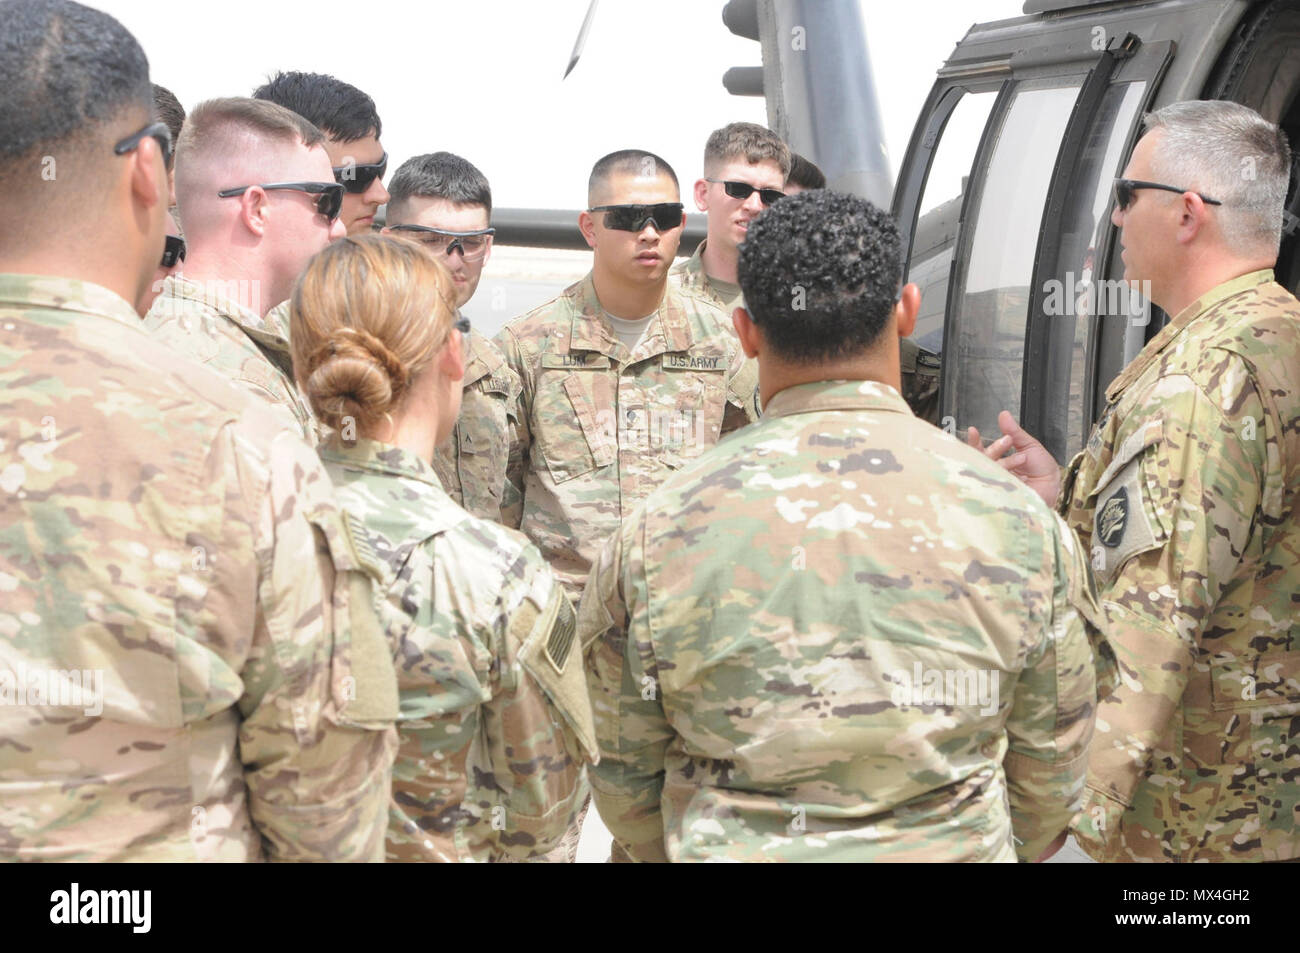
(444, 202)
(352, 128)
(804, 175)
(624, 378)
(171, 112)
(920, 367)
(871, 641)
(190, 666)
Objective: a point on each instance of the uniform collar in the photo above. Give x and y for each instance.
(1170, 332)
(669, 330)
(483, 360)
(835, 395)
(66, 294)
(375, 457)
(259, 329)
(693, 275)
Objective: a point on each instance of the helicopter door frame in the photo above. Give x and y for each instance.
(1047, 409)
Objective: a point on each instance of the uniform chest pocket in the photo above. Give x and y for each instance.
(687, 418)
(574, 428)
(1128, 506)
(482, 447)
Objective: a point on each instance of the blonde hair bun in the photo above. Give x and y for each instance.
(368, 314)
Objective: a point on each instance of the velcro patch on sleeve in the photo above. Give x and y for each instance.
(1121, 527)
(560, 641)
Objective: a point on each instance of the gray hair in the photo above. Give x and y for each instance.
(1231, 153)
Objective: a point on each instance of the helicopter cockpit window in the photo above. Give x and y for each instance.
(991, 308)
(935, 237)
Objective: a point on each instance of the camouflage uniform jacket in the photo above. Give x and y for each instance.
(764, 634)
(495, 718)
(1187, 499)
(218, 331)
(690, 275)
(164, 537)
(472, 463)
(920, 367)
(600, 428)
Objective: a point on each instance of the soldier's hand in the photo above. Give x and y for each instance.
(1029, 461)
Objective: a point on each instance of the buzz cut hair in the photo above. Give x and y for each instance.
(635, 162)
(67, 71)
(748, 141)
(171, 112)
(1231, 153)
(212, 121)
(439, 175)
(339, 109)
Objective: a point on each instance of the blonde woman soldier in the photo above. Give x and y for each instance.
(495, 719)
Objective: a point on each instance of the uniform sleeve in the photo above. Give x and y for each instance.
(1172, 515)
(320, 695)
(742, 393)
(521, 437)
(538, 723)
(1052, 714)
(623, 677)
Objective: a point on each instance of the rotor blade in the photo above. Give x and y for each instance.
(581, 41)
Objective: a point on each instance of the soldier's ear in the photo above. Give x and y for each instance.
(750, 338)
(451, 362)
(702, 195)
(587, 225)
(906, 310)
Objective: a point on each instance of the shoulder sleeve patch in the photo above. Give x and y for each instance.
(561, 638)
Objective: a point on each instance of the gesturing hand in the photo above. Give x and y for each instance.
(1030, 461)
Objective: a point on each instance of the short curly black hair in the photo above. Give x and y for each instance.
(820, 272)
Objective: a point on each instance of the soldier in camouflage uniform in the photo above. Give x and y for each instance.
(624, 378)
(753, 162)
(1187, 500)
(495, 722)
(245, 249)
(445, 203)
(840, 635)
(190, 667)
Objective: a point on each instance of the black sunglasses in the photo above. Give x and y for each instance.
(173, 251)
(633, 218)
(461, 324)
(357, 178)
(329, 195)
(155, 130)
(1124, 189)
(743, 190)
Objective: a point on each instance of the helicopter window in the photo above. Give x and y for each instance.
(991, 309)
(940, 212)
(1084, 294)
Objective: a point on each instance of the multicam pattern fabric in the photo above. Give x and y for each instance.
(841, 635)
(472, 463)
(920, 367)
(1186, 499)
(190, 663)
(207, 325)
(600, 427)
(495, 722)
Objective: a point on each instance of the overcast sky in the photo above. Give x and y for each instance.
(483, 77)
